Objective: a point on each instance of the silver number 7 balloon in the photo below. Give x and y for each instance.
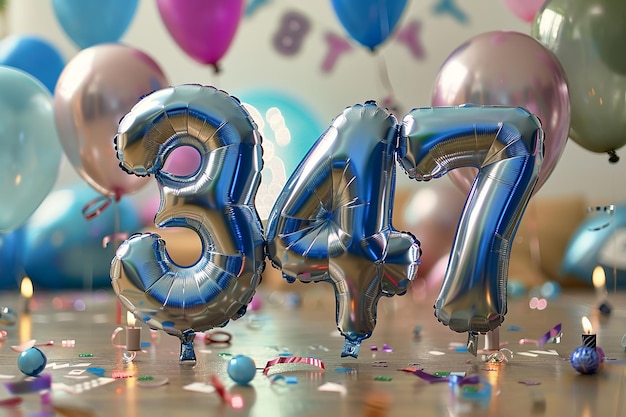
(506, 144)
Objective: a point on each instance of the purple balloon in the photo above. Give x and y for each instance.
(204, 29)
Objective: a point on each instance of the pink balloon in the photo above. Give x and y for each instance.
(508, 69)
(95, 90)
(204, 29)
(525, 9)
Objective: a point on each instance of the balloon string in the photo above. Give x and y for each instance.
(383, 73)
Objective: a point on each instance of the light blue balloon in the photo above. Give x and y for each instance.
(369, 22)
(91, 22)
(30, 151)
(33, 55)
(61, 249)
(300, 119)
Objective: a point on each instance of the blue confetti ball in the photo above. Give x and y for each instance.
(241, 369)
(585, 360)
(32, 361)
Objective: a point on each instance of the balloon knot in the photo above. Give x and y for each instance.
(613, 158)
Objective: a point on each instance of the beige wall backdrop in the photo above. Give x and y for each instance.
(253, 62)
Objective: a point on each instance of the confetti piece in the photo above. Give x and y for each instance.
(54, 366)
(85, 355)
(545, 352)
(436, 353)
(382, 378)
(551, 336)
(152, 381)
(96, 371)
(11, 402)
(68, 343)
(288, 380)
(529, 354)
(528, 382)
(344, 370)
(387, 348)
(380, 364)
(29, 385)
(373, 347)
(225, 355)
(333, 387)
(293, 360)
(514, 329)
(200, 387)
(120, 374)
(24, 346)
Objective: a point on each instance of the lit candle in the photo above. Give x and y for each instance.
(599, 283)
(26, 291)
(589, 339)
(133, 334)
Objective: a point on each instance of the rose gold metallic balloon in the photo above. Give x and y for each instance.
(95, 90)
(508, 69)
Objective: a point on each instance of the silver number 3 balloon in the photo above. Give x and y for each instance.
(216, 201)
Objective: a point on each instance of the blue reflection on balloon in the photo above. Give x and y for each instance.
(289, 128)
(598, 240)
(369, 22)
(63, 250)
(89, 23)
(33, 55)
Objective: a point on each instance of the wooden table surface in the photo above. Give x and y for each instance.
(528, 384)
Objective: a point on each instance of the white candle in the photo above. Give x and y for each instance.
(133, 334)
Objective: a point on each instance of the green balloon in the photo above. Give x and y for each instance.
(588, 37)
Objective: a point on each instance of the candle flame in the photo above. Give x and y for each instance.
(598, 277)
(130, 319)
(586, 325)
(26, 288)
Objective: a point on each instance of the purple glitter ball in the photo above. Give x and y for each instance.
(585, 360)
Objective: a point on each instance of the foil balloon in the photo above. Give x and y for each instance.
(369, 22)
(216, 201)
(31, 155)
(95, 90)
(332, 222)
(505, 144)
(588, 36)
(508, 69)
(204, 29)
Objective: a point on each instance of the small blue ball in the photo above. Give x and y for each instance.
(32, 361)
(241, 369)
(585, 360)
